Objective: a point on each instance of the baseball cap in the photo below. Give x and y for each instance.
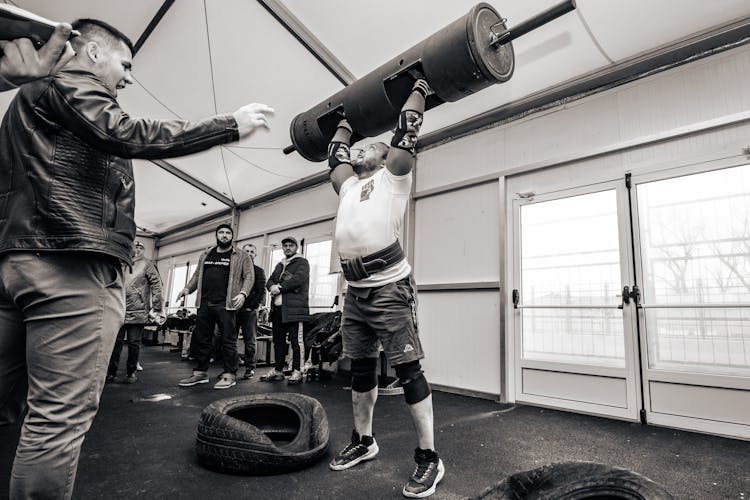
(291, 239)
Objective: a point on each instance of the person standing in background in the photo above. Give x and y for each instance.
(143, 293)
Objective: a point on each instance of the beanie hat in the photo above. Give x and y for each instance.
(225, 226)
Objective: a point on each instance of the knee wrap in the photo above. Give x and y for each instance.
(405, 136)
(364, 374)
(338, 153)
(413, 381)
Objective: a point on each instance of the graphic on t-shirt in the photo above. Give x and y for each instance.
(368, 188)
(215, 277)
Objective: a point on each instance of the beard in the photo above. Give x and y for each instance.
(364, 167)
(223, 246)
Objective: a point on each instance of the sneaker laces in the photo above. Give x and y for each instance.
(350, 449)
(423, 470)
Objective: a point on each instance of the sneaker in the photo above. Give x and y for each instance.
(138, 367)
(249, 373)
(272, 376)
(295, 378)
(355, 452)
(426, 476)
(131, 379)
(226, 381)
(196, 378)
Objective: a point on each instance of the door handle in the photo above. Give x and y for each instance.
(628, 294)
(625, 297)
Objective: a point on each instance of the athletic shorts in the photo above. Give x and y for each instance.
(384, 315)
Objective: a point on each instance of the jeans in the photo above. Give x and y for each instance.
(247, 320)
(282, 331)
(133, 334)
(59, 316)
(206, 319)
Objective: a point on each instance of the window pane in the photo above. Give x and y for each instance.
(695, 248)
(570, 255)
(179, 279)
(578, 336)
(190, 300)
(322, 282)
(570, 251)
(710, 340)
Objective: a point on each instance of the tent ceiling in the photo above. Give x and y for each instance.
(209, 56)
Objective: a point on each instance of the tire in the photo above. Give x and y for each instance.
(262, 434)
(574, 481)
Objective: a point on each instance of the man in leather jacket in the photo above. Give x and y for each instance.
(66, 224)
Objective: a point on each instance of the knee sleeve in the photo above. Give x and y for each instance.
(405, 136)
(364, 374)
(413, 381)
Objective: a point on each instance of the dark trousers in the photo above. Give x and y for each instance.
(133, 334)
(283, 331)
(206, 320)
(247, 320)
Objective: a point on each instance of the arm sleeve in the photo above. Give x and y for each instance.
(81, 104)
(274, 279)
(300, 276)
(154, 283)
(248, 274)
(192, 285)
(259, 289)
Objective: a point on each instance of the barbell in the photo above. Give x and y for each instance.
(469, 55)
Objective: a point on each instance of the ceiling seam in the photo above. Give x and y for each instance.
(194, 182)
(152, 25)
(308, 40)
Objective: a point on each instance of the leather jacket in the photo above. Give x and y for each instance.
(66, 179)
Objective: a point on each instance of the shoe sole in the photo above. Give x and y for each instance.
(190, 384)
(367, 456)
(426, 493)
(226, 387)
(293, 382)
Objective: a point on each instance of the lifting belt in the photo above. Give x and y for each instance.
(358, 268)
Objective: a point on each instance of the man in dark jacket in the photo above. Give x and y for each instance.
(143, 292)
(289, 285)
(223, 277)
(247, 317)
(66, 224)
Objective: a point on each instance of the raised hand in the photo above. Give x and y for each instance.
(251, 117)
(22, 62)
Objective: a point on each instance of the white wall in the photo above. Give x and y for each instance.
(665, 120)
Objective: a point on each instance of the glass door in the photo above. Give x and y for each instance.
(575, 327)
(693, 259)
